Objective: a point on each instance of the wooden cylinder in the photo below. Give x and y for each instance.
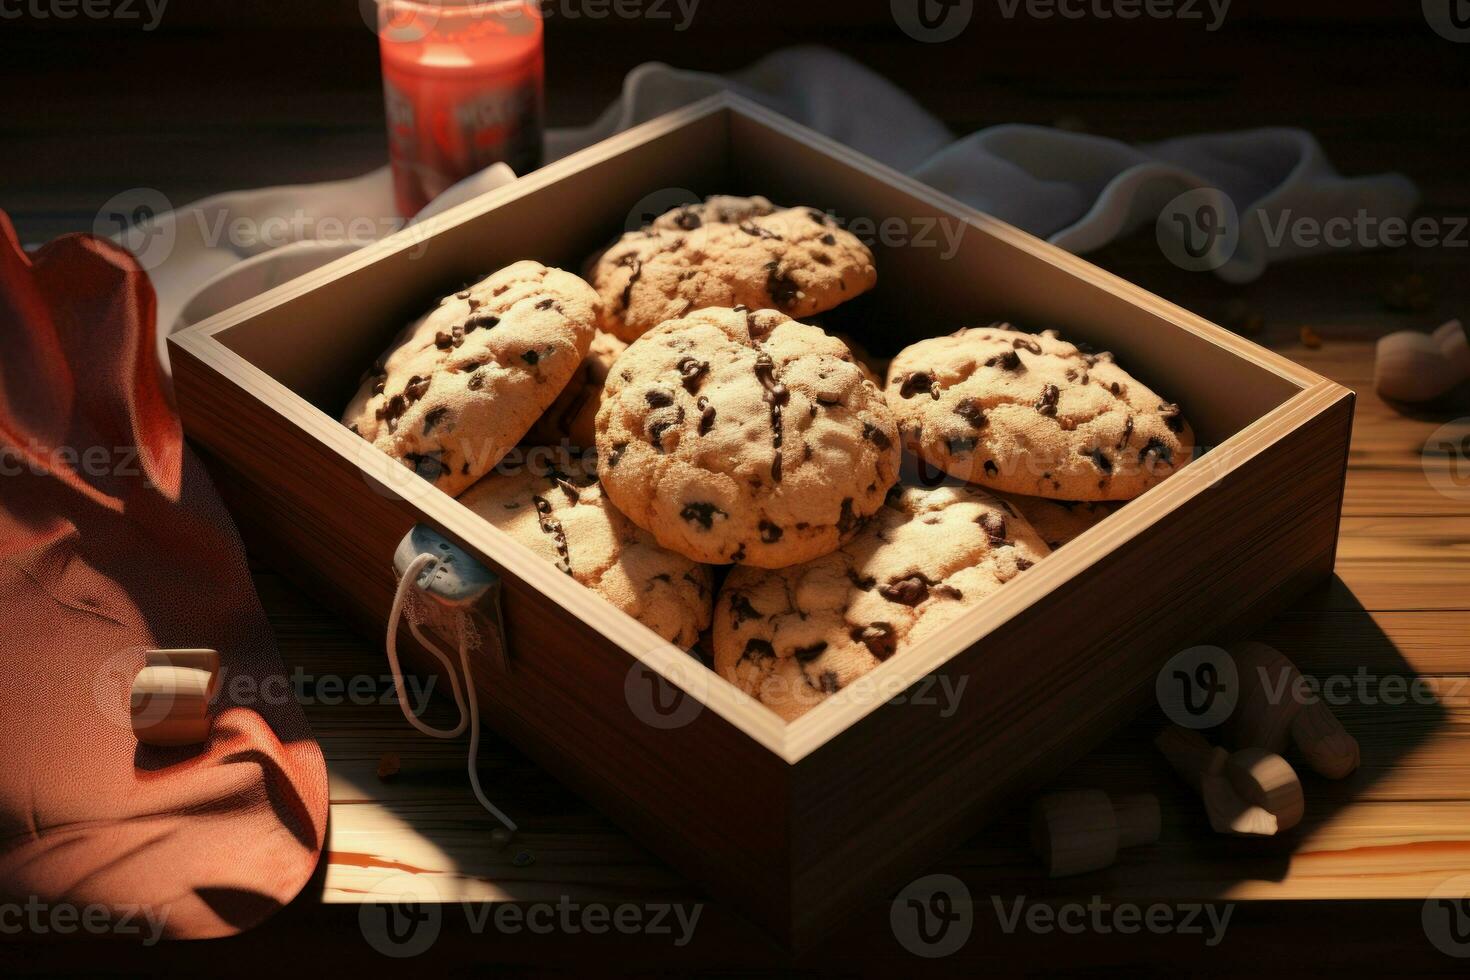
(1324, 743)
(169, 705)
(1268, 781)
(1075, 831)
(1269, 699)
(1187, 751)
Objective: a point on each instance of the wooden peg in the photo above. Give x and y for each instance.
(1270, 687)
(1202, 766)
(1073, 831)
(1266, 780)
(1415, 367)
(169, 702)
(1324, 743)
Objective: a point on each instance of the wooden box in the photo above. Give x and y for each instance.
(795, 824)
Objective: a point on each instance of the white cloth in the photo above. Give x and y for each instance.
(1076, 190)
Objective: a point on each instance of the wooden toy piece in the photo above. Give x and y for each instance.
(1202, 766)
(1269, 698)
(1324, 743)
(1266, 780)
(169, 703)
(1415, 367)
(1074, 831)
(1187, 752)
(1229, 813)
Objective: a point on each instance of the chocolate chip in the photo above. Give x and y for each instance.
(1021, 343)
(551, 526)
(628, 286)
(970, 410)
(806, 655)
(703, 513)
(1009, 361)
(879, 638)
(1024, 563)
(433, 417)
(530, 357)
(758, 648)
(476, 381)
(783, 289)
(1116, 389)
(961, 444)
(430, 466)
(755, 231)
(688, 219)
(572, 493)
(906, 591)
(658, 397)
(864, 582)
(616, 456)
(846, 519)
(546, 304)
(770, 533)
(692, 371)
(1158, 450)
(829, 239)
(827, 683)
(706, 415)
(876, 436)
(741, 609)
(990, 468)
(443, 340)
(379, 385)
(415, 388)
(486, 320)
(1099, 459)
(1047, 403)
(1127, 432)
(656, 432)
(1173, 416)
(917, 382)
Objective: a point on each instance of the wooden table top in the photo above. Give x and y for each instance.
(1348, 883)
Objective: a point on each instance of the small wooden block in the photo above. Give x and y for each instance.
(1269, 685)
(1187, 751)
(169, 701)
(1267, 780)
(1229, 813)
(1324, 743)
(1074, 831)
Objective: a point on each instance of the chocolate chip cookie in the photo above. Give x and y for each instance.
(555, 506)
(743, 436)
(1058, 521)
(729, 251)
(461, 385)
(572, 416)
(1033, 414)
(791, 637)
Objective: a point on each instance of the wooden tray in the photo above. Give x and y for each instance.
(796, 824)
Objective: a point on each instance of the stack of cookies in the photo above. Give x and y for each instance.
(716, 429)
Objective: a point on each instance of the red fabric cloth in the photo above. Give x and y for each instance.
(112, 541)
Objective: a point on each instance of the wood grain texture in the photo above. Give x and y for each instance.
(1057, 660)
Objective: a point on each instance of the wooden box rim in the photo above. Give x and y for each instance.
(795, 741)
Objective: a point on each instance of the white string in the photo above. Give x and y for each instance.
(470, 718)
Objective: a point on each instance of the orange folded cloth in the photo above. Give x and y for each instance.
(113, 541)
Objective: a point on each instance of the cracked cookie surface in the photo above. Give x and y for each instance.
(791, 637)
(558, 510)
(1033, 414)
(461, 385)
(743, 436)
(729, 251)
